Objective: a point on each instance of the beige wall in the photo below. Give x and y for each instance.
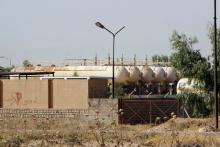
(25, 94)
(70, 94)
(57, 93)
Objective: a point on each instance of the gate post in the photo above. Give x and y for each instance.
(150, 112)
(119, 107)
(178, 107)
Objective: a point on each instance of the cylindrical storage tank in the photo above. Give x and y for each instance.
(134, 74)
(147, 74)
(189, 85)
(159, 74)
(121, 75)
(171, 74)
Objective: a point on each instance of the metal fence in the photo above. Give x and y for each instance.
(147, 110)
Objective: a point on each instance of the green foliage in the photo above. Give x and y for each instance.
(161, 58)
(190, 64)
(119, 91)
(164, 58)
(211, 37)
(75, 74)
(8, 69)
(201, 104)
(188, 61)
(154, 58)
(27, 63)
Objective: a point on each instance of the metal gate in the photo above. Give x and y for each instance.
(147, 110)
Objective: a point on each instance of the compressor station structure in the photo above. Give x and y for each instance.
(75, 86)
(134, 79)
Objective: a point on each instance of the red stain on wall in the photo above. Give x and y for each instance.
(18, 97)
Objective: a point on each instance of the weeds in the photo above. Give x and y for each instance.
(14, 141)
(72, 139)
(100, 132)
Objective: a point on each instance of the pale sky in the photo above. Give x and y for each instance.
(53, 30)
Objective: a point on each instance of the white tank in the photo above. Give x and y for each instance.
(186, 85)
(121, 75)
(147, 74)
(159, 74)
(171, 74)
(134, 74)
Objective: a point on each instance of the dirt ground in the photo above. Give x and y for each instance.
(37, 132)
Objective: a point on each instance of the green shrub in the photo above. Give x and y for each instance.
(75, 74)
(201, 104)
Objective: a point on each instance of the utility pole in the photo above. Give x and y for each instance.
(215, 67)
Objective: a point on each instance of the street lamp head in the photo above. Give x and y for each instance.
(98, 24)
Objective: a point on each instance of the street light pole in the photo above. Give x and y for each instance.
(113, 68)
(215, 67)
(98, 24)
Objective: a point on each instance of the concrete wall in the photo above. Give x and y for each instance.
(56, 93)
(70, 94)
(98, 88)
(24, 93)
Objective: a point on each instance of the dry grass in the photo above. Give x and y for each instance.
(57, 132)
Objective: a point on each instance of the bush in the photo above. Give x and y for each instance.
(201, 104)
(75, 74)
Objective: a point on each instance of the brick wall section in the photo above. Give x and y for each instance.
(42, 113)
(106, 109)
